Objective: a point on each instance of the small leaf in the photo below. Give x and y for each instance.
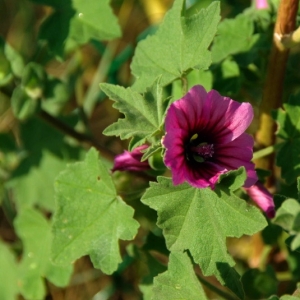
(5, 68)
(93, 19)
(33, 78)
(180, 45)
(286, 214)
(151, 150)
(179, 282)
(34, 231)
(216, 215)
(15, 59)
(8, 275)
(22, 105)
(143, 113)
(288, 157)
(90, 216)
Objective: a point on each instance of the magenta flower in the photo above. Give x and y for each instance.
(261, 196)
(131, 161)
(261, 4)
(205, 138)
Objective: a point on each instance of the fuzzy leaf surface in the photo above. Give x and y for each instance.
(179, 282)
(9, 278)
(180, 45)
(35, 233)
(143, 113)
(288, 157)
(200, 220)
(90, 217)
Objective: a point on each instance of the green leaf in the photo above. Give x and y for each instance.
(203, 77)
(147, 291)
(287, 213)
(179, 282)
(180, 45)
(227, 77)
(90, 216)
(288, 217)
(233, 36)
(5, 69)
(33, 78)
(23, 106)
(37, 186)
(260, 284)
(93, 19)
(34, 231)
(55, 30)
(289, 130)
(143, 113)
(200, 220)
(154, 148)
(15, 59)
(8, 275)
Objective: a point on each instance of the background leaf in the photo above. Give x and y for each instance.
(90, 217)
(35, 263)
(37, 186)
(93, 19)
(289, 130)
(180, 45)
(233, 36)
(8, 275)
(288, 217)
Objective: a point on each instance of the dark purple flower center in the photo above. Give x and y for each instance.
(197, 151)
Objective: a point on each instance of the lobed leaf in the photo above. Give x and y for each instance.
(180, 45)
(143, 113)
(90, 216)
(216, 215)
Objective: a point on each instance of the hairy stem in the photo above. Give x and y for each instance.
(273, 90)
(265, 151)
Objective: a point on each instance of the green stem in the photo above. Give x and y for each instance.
(100, 75)
(184, 85)
(265, 151)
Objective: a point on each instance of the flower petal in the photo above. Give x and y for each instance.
(131, 161)
(201, 118)
(206, 175)
(225, 118)
(262, 197)
(186, 112)
(236, 154)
